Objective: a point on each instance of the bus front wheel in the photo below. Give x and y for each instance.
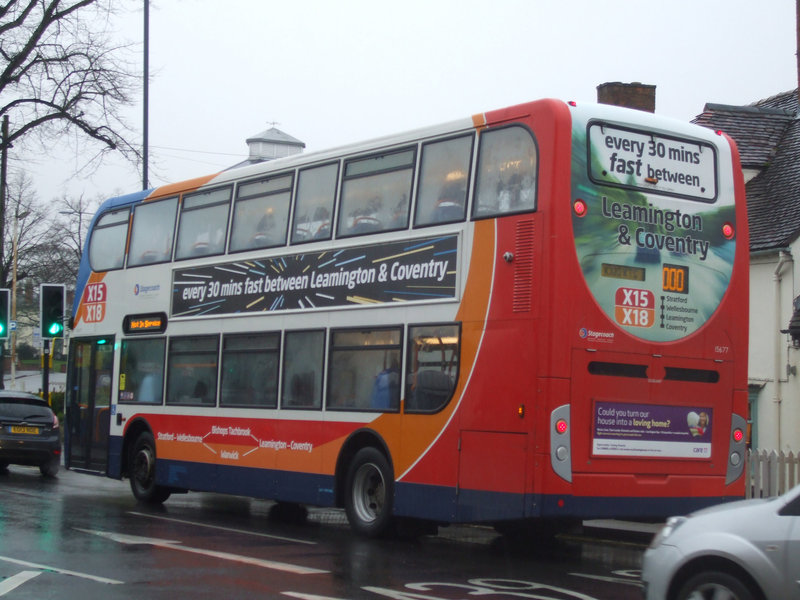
(142, 471)
(369, 493)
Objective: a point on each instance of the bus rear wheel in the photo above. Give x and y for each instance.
(142, 471)
(369, 493)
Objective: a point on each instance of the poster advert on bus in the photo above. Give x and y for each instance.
(422, 269)
(653, 162)
(654, 229)
(655, 430)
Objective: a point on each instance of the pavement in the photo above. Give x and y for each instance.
(31, 381)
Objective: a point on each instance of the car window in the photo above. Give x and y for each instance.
(20, 408)
(792, 509)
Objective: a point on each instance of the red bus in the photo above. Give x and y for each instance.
(536, 313)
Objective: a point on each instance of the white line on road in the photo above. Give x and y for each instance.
(175, 545)
(310, 596)
(228, 529)
(17, 580)
(25, 563)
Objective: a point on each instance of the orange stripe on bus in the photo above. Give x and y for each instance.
(93, 278)
(173, 189)
(413, 434)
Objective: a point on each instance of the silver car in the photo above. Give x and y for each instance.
(745, 550)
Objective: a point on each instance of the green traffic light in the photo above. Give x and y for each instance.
(55, 329)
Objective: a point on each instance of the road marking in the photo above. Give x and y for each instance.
(608, 579)
(176, 545)
(24, 563)
(310, 596)
(17, 580)
(229, 529)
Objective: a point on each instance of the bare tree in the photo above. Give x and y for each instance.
(60, 73)
(62, 78)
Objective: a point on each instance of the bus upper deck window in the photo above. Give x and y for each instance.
(107, 245)
(376, 194)
(153, 232)
(261, 214)
(316, 190)
(443, 182)
(204, 223)
(507, 168)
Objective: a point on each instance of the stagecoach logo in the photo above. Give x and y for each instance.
(596, 336)
(422, 269)
(145, 290)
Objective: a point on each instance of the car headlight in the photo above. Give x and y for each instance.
(672, 524)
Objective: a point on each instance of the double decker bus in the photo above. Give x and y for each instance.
(537, 313)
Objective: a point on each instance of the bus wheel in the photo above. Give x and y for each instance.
(142, 471)
(369, 493)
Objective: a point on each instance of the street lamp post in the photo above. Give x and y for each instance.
(14, 246)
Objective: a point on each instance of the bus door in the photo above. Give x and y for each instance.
(88, 403)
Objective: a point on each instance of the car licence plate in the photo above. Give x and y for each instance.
(25, 430)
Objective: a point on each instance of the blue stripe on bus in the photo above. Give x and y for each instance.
(84, 269)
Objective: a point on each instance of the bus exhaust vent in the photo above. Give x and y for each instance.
(523, 267)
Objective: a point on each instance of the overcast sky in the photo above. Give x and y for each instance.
(334, 72)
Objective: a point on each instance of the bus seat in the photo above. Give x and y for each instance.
(432, 391)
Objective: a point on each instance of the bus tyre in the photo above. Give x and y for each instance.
(369, 493)
(143, 471)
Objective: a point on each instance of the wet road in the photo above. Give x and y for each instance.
(79, 536)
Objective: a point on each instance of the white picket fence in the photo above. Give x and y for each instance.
(771, 473)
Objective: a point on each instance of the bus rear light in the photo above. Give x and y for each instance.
(728, 231)
(738, 435)
(561, 426)
(580, 208)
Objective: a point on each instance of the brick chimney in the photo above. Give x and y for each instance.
(630, 95)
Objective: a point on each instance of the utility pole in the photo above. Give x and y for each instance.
(146, 100)
(4, 146)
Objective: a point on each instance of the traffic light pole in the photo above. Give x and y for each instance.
(46, 370)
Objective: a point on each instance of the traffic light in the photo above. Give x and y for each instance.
(51, 310)
(5, 313)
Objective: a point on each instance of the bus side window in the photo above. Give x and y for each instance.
(376, 194)
(192, 370)
(152, 233)
(444, 176)
(250, 370)
(261, 213)
(107, 242)
(204, 223)
(141, 377)
(507, 170)
(365, 370)
(303, 361)
(316, 190)
(433, 355)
